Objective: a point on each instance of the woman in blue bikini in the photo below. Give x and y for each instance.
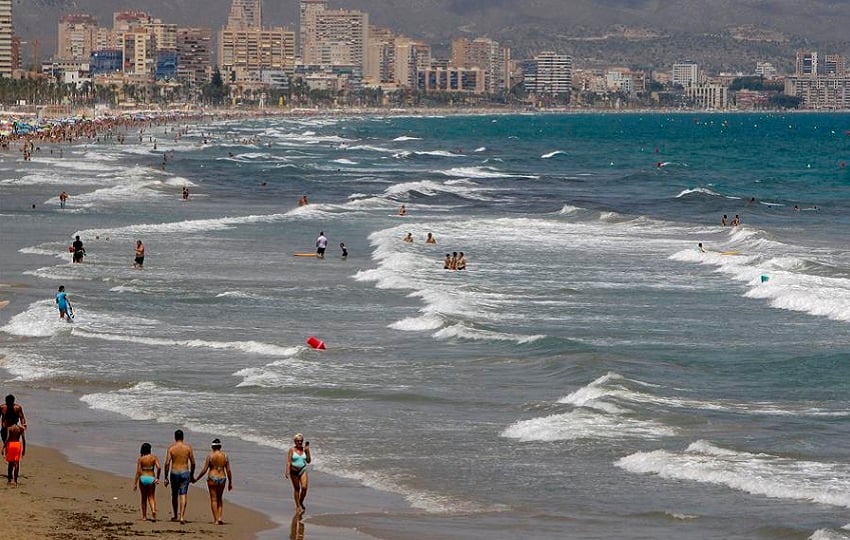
(218, 465)
(296, 470)
(148, 470)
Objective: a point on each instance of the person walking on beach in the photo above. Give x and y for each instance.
(62, 198)
(321, 245)
(14, 448)
(139, 261)
(218, 465)
(78, 250)
(64, 304)
(179, 471)
(10, 414)
(296, 470)
(148, 470)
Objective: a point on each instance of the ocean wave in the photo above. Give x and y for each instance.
(481, 172)
(758, 474)
(700, 191)
(406, 138)
(250, 347)
(585, 424)
(192, 225)
(549, 155)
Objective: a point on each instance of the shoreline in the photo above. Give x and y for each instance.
(56, 496)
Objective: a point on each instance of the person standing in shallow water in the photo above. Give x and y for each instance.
(297, 460)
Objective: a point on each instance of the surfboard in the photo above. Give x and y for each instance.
(70, 314)
(3, 303)
(305, 254)
(730, 252)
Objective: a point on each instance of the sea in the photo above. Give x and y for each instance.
(593, 373)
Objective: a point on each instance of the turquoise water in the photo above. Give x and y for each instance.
(590, 356)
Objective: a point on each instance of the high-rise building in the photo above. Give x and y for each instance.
(165, 34)
(833, 65)
(380, 56)
(411, 58)
(487, 55)
(77, 37)
(194, 55)
(306, 21)
(337, 37)
(6, 33)
(685, 74)
(139, 49)
(548, 73)
(807, 64)
(246, 14)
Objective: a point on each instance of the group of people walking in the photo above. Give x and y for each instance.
(179, 473)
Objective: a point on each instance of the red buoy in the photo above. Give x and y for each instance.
(316, 343)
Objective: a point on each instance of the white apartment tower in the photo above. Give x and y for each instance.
(246, 49)
(685, 74)
(550, 74)
(6, 32)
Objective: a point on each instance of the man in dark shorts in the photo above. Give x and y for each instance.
(139, 261)
(179, 470)
(79, 250)
(10, 414)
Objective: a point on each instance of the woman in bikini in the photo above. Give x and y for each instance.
(296, 470)
(148, 470)
(218, 465)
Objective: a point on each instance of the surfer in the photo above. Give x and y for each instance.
(63, 303)
(408, 238)
(321, 245)
(139, 261)
(430, 239)
(78, 250)
(402, 211)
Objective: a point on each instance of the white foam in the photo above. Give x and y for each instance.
(549, 155)
(343, 161)
(702, 190)
(407, 138)
(41, 319)
(418, 324)
(481, 172)
(250, 347)
(188, 226)
(585, 424)
(758, 474)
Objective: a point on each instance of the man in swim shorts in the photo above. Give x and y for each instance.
(179, 471)
(15, 447)
(139, 261)
(79, 250)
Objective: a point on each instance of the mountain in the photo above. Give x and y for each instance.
(720, 34)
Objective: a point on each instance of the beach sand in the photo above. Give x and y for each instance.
(57, 499)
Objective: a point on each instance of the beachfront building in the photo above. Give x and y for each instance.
(246, 14)
(685, 74)
(452, 79)
(380, 57)
(487, 55)
(6, 35)
(820, 84)
(548, 73)
(194, 55)
(307, 22)
(77, 37)
(708, 96)
(245, 48)
(336, 37)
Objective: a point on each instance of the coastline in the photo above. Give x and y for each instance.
(55, 497)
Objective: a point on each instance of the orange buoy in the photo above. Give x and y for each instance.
(316, 343)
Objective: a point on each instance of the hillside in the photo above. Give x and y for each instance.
(731, 34)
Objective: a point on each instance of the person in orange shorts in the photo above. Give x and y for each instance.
(15, 447)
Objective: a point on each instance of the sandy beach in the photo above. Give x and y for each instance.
(58, 499)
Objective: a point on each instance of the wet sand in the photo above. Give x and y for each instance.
(57, 499)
